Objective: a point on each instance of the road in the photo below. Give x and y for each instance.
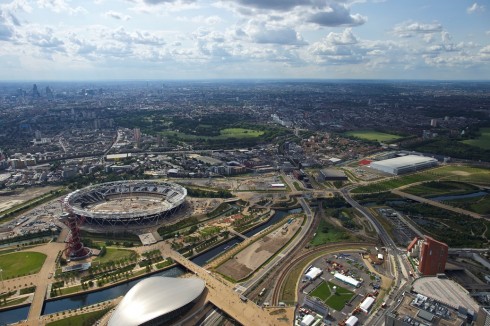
(401, 267)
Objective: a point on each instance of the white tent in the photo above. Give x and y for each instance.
(351, 321)
(313, 273)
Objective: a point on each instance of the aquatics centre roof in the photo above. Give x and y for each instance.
(154, 297)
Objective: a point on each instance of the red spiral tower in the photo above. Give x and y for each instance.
(74, 246)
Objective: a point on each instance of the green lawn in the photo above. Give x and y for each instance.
(327, 233)
(115, 254)
(372, 135)
(239, 133)
(87, 319)
(438, 188)
(21, 263)
(335, 300)
(480, 205)
(209, 231)
(445, 173)
(482, 142)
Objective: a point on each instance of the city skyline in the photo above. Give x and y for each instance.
(194, 39)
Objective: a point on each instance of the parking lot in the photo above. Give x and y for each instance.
(341, 298)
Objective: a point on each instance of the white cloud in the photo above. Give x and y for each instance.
(336, 15)
(475, 7)
(282, 5)
(116, 15)
(261, 33)
(410, 29)
(60, 6)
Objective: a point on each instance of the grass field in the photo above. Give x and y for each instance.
(328, 233)
(238, 133)
(480, 205)
(21, 263)
(482, 142)
(115, 254)
(372, 135)
(445, 173)
(438, 188)
(87, 319)
(335, 300)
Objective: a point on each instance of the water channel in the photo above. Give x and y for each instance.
(464, 196)
(81, 300)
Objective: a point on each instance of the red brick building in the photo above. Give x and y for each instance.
(432, 255)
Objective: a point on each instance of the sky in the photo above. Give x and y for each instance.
(244, 39)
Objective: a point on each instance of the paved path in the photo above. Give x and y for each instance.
(436, 204)
(51, 250)
(222, 296)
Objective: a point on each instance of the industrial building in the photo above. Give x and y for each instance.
(404, 164)
(447, 292)
(331, 175)
(157, 301)
(417, 309)
(432, 255)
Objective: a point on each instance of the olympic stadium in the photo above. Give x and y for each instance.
(126, 202)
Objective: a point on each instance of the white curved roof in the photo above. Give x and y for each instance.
(154, 297)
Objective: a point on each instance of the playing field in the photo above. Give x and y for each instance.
(483, 141)
(18, 264)
(372, 135)
(335, 300)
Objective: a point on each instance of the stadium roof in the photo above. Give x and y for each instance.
(154, 297)
(402, 161)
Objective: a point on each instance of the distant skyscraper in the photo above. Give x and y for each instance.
(137, 136)
(433, 122)
(35, 92)
(49, 93)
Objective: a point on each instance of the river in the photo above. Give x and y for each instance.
(81, 300)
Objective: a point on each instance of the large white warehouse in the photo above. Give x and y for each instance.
(404, 164)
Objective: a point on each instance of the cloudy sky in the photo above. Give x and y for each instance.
(201, 39)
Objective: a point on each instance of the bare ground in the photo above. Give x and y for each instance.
(251, 258)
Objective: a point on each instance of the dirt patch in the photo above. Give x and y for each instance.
(7, 202)
(251, 258)
(461, 173)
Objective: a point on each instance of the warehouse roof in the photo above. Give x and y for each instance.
(154, 297)
(332, 173)
(402, 161)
